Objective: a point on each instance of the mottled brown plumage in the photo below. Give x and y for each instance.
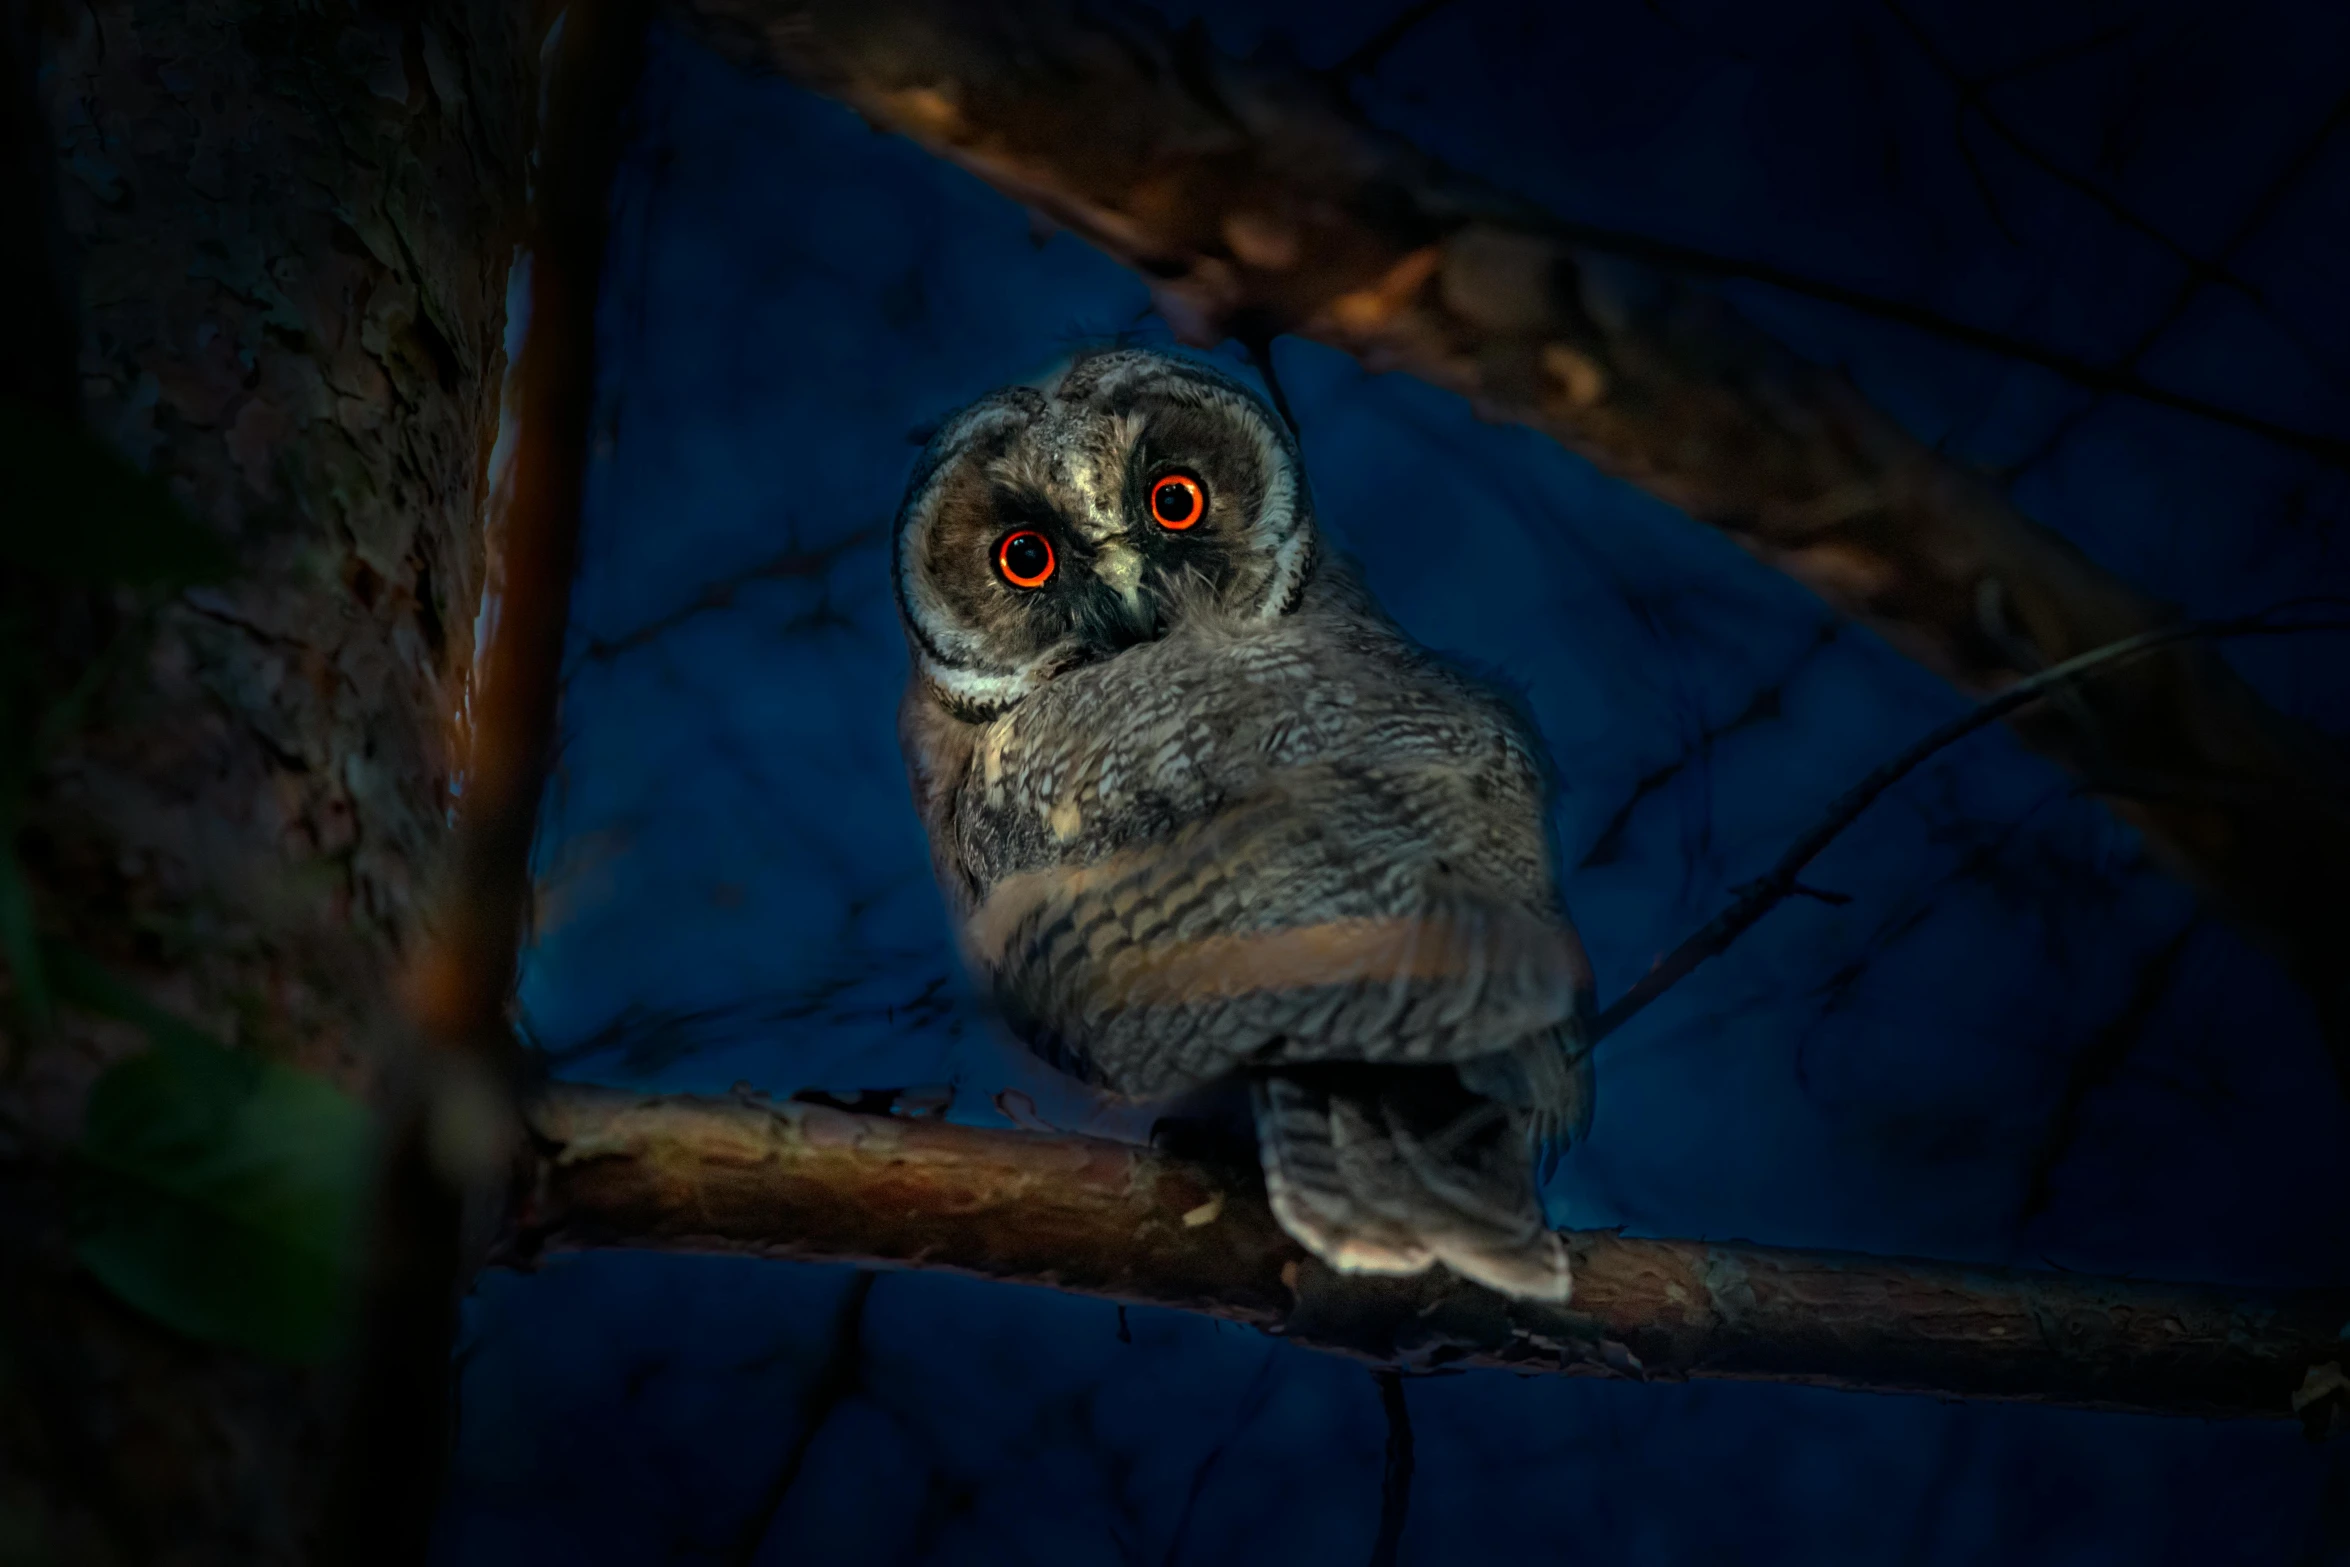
(1202, 811)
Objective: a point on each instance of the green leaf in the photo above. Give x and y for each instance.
(218, 1192)
(77, 512)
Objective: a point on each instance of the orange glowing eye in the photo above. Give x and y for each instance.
(1177, 501)
(1025, 558)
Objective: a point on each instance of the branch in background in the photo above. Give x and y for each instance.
(2096, 1065)
(1768, 702)
(794, 563)
(1972, 97)
(449, 1126)
(1258, 200)
(2120, 379)
(1246, 1410)
(1783, 881)
(2165, 321)
(840, 1375)
(1367, 56)
(1395, 1475)
(1135, 1225)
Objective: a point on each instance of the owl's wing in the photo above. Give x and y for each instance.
(1301, 925)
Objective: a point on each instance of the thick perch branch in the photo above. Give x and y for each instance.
(1257, 200)
(1134, 1224)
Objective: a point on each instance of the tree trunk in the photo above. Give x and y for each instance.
(288, 229)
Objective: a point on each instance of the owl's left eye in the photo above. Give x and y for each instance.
(1177, 501)
(1025, 558)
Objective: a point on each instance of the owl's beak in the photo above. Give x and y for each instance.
(1120, 570)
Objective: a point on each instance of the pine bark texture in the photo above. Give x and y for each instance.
(288, 229)
(1257, 200)
(744, 1176)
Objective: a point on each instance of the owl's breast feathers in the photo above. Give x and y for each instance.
(1307, 842)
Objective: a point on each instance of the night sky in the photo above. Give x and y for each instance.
(734, 887)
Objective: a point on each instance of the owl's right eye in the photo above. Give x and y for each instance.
(1025, 558)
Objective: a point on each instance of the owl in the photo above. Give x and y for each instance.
(1204, 815)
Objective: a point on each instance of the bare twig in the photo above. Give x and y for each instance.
(1256, 199)
(449, 1119)
(1781, 882)
(1765, 704)
(1373, 51)
(1972, 96)
(1139, 1225)
(794, 563)
(839, 1377)
(2121, 379)
(1250, 1405)
(1395, 1475)
(2095, 1065)
(2255, 218)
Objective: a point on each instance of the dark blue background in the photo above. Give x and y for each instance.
(733, 887)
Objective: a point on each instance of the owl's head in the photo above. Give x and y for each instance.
(1046, 529)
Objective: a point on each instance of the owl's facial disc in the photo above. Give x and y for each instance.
(1046, 531)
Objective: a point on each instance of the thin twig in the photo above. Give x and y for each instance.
(1971, 95)
(1767, 703)
(1395, 1476)
(2255, 218)
(1373, 51)
(2121, 380)
(1253, 1399)
(1766, 893)
(2095, 1066)
(794, 563)
(838, 1378)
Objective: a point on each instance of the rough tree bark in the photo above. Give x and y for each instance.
(1257, 200)
(1133, 1224)
(288, 228)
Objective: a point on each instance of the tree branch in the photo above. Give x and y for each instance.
(1257, 199)
(1133, 1224)
(793, 563)
(1395, 1475)
(838, 1378)
(2096, 1064)
(1782, 881)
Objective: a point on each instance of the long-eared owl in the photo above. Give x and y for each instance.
(1205, 814)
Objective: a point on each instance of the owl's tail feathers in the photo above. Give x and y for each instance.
(1390, 1169)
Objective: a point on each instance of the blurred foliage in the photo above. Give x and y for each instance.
(95, 519)
(218, 1192)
